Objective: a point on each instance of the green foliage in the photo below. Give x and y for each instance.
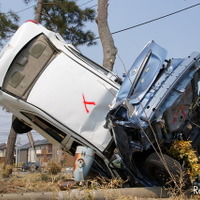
(67, 18)
(183, 150)
(54, 168)
(8, 25)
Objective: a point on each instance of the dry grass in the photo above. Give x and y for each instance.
(102, 183)
(45, 182)
(41, 182)
(36, 182)
(29, 182)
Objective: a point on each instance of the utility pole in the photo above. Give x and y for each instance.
(38, 11)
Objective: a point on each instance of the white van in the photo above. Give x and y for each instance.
(52, 88)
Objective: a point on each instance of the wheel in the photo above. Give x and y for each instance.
(20, 127)
(162, 173)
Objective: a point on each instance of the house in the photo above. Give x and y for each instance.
(2, 152)
(44, 153)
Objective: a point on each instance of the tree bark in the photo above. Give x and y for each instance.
(10, 149)
(38, 11)
(109, 49)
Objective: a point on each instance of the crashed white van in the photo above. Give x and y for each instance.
(52, 88)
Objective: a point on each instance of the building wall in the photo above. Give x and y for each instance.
(67, 159)
(46, 153)
(23, 158)
(31, 155)
(1, 153)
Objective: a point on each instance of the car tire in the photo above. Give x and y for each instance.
(20, 127)
(157, 171)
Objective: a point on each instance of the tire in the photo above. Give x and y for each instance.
(20, 127)
(157, 171)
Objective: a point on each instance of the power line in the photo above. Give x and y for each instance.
(153, 20)
(8, 13)
(25, 9)
(93, 6)
(34, 6)
(86, 3)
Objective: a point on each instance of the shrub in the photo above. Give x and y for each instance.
(182, 150)
(6, 171)
(54, 168)
(44, 177)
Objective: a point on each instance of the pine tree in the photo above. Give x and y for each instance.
(68, 19)
(8, 25)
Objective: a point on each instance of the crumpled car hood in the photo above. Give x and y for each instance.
(142, 73)
(152, 85)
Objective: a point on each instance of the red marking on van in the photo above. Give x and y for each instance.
(87, 103)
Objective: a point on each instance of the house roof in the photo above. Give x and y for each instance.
(25, 146)
(36, 143)
(2, 146)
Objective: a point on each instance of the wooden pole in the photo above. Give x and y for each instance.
(38, 11)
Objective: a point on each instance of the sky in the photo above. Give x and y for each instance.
(179, 34)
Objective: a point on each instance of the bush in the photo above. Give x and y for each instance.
(7, 171)
(54, 168)
(44, 177)
(183, 150)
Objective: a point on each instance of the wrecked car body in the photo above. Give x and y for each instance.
(70, 100)
(157, 104)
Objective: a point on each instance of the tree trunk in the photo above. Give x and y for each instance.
(109, 49)
(38, 11)
(10, 149)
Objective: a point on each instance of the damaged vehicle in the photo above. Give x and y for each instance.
(154, 117)
(70, 100)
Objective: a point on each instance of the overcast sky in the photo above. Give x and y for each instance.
(179, 33)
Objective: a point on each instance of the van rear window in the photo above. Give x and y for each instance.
(27, 66)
